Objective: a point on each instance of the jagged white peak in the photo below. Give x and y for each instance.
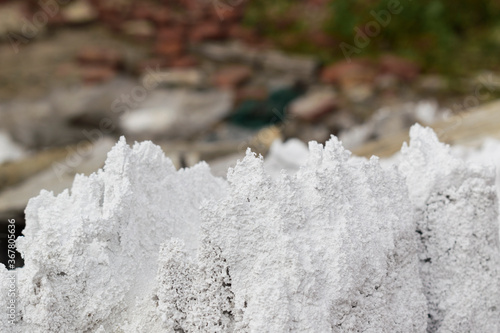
(331, 249)
(456, 216)
(334, 247)
(91, 253)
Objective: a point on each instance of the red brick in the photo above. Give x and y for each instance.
(168, 34)
(96, 74)
(232, 76)
(99, 56)
(151, 63)
(170, 49)
(402, 68)
(184, 62)
(237, 31)
(208, 30)
(344, 70)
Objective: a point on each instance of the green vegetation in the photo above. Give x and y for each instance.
(442, 35)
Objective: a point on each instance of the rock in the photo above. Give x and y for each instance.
(57, 176)
(186, 61)
(314, 104)
(100, 56)
(432, 83)
(288, 156)
(96, 74)
(35, 124)
(141, 11)
(357, 135)
(299, 66)
(9, 150)
(360, 69)
(170, 49)
(171, 34)
(306, 132)
(143, 65)
(209, 30)
(221, 165)
(232, 76)
(323, 40)
(387, 81)
(176, 114)
(237, 31)
(256, 93)
(356, 91)
(13, 17)
(78, 12)
(176, 77)
(384, 123)
(140, 29)
(228, 52)
(403, 68)
(339, 121)
(161, 16)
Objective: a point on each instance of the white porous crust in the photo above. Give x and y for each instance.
(331, 249)
(456, 216)
(342, 245)
(91, 253)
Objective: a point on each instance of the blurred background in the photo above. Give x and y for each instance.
(206, 79)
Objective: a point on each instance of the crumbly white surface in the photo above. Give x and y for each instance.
(456, 213)
(341, 245)
(91, 252)
(331, 249)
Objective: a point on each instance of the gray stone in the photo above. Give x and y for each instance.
(176, 114)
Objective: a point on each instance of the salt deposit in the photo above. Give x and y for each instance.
(91, 253)
(456, 217)
(337, 245)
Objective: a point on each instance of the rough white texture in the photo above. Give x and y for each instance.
(194, 297)
(90, 253)
(341, 245)
(456, 216)
(331, 249)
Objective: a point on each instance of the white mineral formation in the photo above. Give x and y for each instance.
(330, 249)
(341, 245)
(91, 253)
(456, 214)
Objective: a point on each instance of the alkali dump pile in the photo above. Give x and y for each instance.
(343, 245)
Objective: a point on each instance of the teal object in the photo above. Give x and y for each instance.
(256, 114)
